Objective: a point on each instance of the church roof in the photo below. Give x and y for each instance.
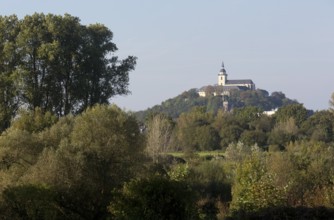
(228, 88)
(224, 88)
(239, 81)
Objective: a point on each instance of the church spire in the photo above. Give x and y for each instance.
(223, 71)
(222, 76)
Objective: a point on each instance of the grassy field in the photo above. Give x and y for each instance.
(199, 153)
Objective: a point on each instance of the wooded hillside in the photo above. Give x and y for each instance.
(187, 100)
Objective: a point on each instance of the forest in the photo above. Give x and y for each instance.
(67, 153)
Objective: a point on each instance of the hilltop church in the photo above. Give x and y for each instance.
(225, 85)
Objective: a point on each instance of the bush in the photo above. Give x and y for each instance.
(154, 198)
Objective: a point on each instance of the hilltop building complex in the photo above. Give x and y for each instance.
(225, 85)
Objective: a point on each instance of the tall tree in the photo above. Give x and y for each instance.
(159, 134)
(8, 62)
(196, 132)
(59, 65)
(104, 76)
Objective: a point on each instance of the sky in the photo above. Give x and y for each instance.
(282, 45)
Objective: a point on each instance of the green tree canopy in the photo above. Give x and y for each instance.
(82, 158)
(58, 64)
(319, 127)
(195, 132)
(9, 29)
(103, 151)
(154, 198)
(296, 111)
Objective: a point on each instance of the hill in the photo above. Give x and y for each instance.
(187, 100)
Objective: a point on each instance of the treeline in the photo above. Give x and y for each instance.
(101, 165)
(273, 167)
(199, 130)
(184, 102)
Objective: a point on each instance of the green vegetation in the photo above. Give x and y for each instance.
(244, 164)
(238, 99)
(79, 160)
(154, 198)
(100, 163)
(58, 65)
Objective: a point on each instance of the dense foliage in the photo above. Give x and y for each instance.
(154, 198)
(95, 165)
(273, 166)
(77, 160)
(198, 130)
(57, 64)
(238, 99)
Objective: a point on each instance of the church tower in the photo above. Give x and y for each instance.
(222, 76)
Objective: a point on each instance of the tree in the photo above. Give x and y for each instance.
(59, 65)
(159, 133)
(21, 145)
(255, 187)
(311, 174)
(31, 202)
(195, 132)
(319, 127)
(9, 103)
(230, 134)
(283, 133)
(247, 116)
(68, 167)
(211, 180)
(251, 137)
(296, 111)
(19, 149)
(103, 76)
(83, 158)
(214, 104)
(33, 120)
(154, 198)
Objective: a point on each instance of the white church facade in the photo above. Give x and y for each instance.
(225, 85)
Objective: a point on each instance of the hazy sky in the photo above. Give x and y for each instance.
(282, 45)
